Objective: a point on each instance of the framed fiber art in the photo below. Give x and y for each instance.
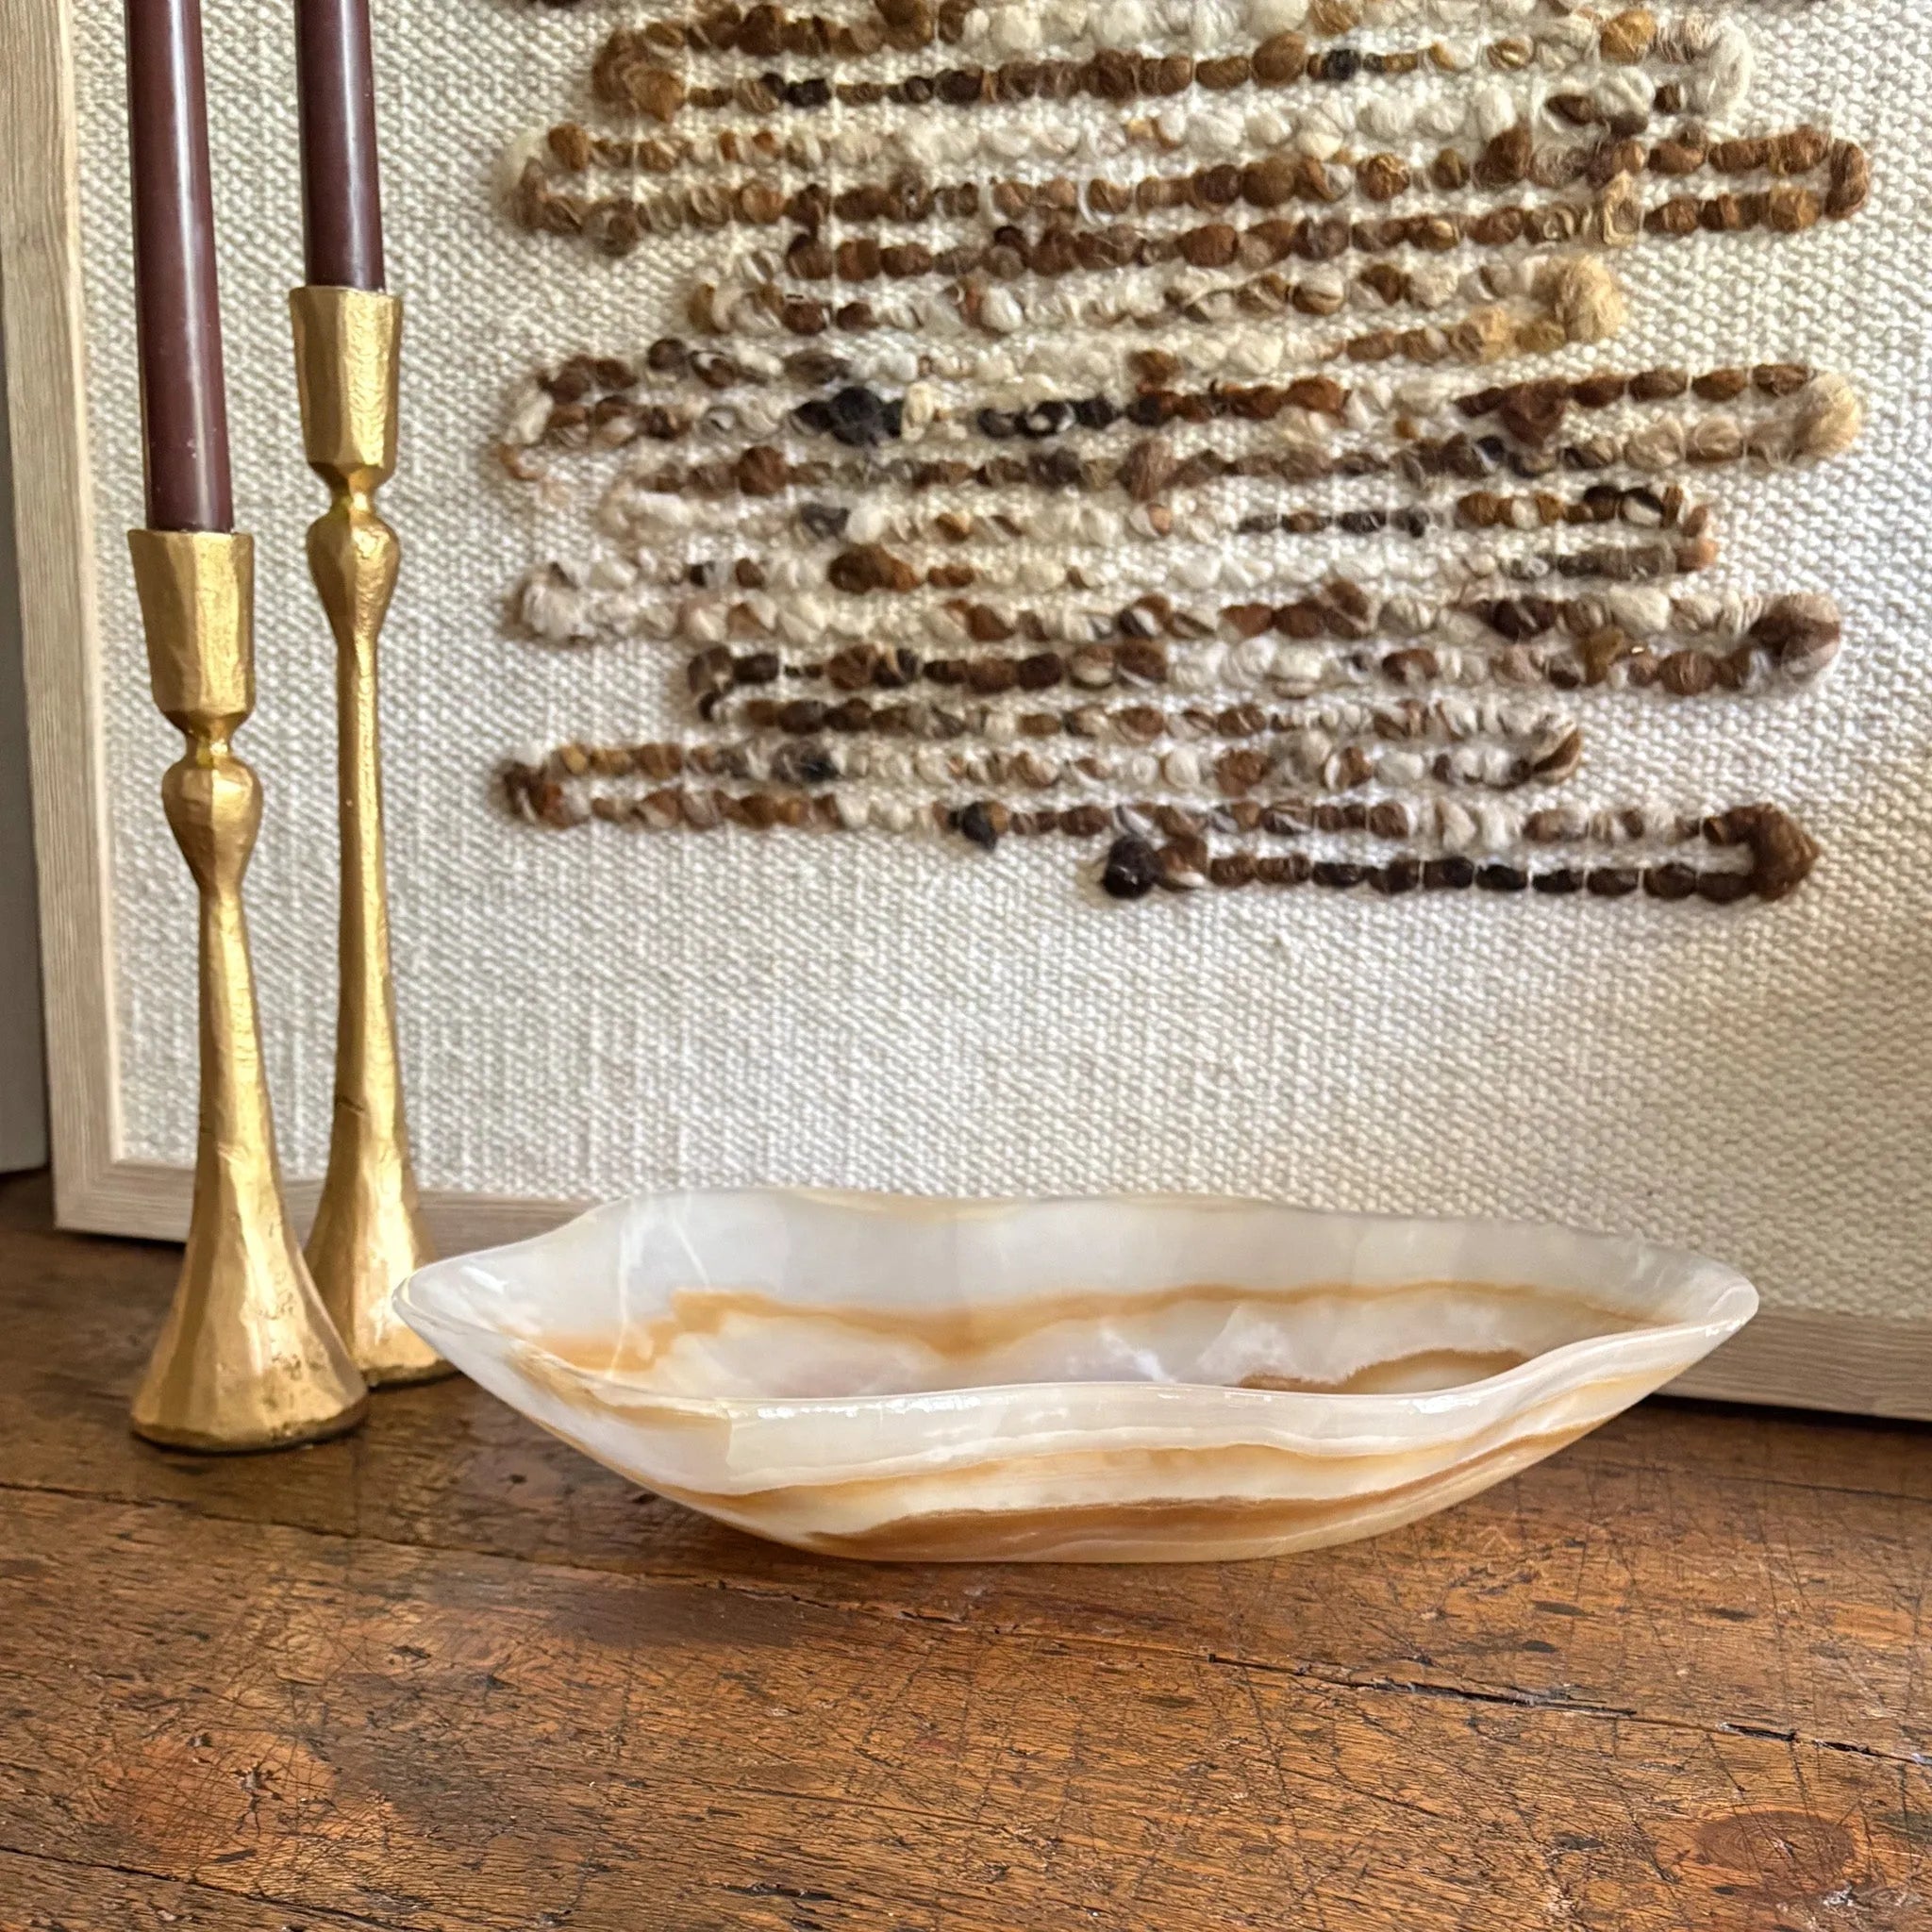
(1320, 598)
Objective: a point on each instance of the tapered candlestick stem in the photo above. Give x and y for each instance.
(247, 1359)
(368, 1233)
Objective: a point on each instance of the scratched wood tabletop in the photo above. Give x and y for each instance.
(449, 1675)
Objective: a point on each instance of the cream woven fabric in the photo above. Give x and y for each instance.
(588, 1014)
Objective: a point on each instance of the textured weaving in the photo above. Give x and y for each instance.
(592, 1012)
(1204, 388)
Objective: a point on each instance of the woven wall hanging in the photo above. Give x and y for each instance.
(1132, 423)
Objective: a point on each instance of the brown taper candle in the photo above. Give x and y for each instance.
(342, 193)
(183, 404)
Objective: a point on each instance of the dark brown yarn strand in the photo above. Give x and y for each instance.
(177, 309)
(342, 189)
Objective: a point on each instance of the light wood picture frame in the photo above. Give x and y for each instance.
(1787, 1357)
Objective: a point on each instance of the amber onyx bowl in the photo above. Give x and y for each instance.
(1130, 1379)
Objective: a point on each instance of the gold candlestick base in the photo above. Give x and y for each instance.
(368, 1233)
(247, 1359)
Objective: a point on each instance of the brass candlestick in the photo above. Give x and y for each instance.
(367, 1231)
(247, 1359)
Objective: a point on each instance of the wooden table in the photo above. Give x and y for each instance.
(448, 1674)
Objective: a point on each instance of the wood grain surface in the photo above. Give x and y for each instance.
(448, 1674)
